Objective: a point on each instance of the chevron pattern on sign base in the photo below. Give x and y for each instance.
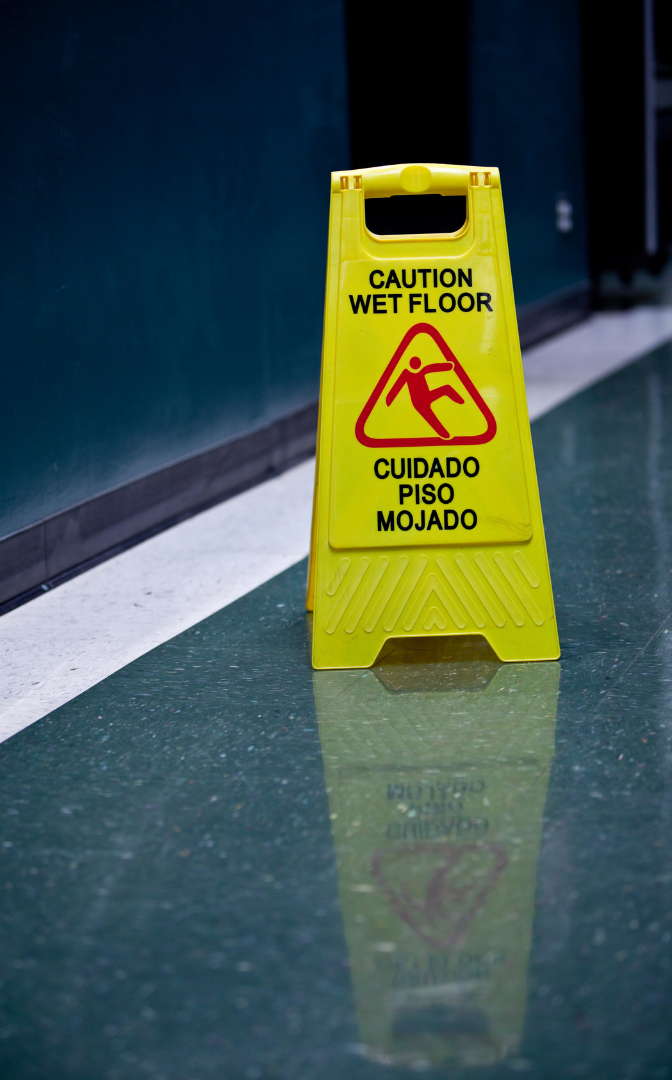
(456, 594)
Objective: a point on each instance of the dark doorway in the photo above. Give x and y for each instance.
(625, 80)
(408, 83)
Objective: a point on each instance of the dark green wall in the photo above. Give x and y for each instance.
(526, 118)
(163, 199)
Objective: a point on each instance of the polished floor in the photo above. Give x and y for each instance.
(217, 863)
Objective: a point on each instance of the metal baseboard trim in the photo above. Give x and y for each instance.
(554, 313)
(57, 548)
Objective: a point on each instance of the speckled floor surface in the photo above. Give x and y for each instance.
(219, 864)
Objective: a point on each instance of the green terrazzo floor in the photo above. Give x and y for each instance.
(219, 864)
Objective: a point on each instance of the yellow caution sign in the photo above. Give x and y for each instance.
(427, 517)
(436, 810)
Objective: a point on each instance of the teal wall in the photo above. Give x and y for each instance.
(526, 119)
(163, 205)
(164, 198)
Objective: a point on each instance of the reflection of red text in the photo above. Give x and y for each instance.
(433, 829)
(449, 893)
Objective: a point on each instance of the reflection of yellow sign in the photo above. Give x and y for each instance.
(437, 776)
(427, 516)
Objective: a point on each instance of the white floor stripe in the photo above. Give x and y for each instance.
(65, 641)
(57, 646)
(569, 362)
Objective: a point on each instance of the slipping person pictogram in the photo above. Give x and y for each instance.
(390, 418)
(422, 398)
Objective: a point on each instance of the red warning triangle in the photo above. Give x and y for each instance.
(405, 410)
(438, 888)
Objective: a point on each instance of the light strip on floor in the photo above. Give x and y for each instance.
(570, 362)
(60, 644)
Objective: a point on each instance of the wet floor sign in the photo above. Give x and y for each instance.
(426, 518)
